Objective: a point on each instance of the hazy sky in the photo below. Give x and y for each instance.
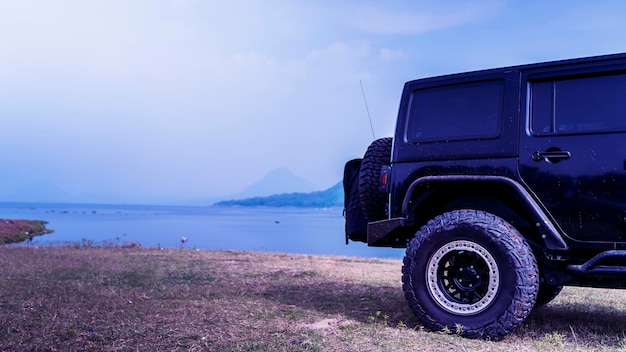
(162, 99)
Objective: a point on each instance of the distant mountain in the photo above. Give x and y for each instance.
(278, 181)
(275, 182)
(332, 197)
(39, 191)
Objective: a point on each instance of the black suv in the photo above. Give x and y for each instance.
(503, 185)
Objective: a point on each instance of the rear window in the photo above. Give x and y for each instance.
(456, 112)
(578, 105)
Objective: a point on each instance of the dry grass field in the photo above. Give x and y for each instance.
(82, 298)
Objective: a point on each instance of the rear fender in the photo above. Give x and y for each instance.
(549, 232)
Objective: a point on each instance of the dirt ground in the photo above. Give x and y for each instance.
(80, 298)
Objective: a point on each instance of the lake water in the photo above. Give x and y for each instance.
(290, 230)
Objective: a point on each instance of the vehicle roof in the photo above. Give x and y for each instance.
(508, 69)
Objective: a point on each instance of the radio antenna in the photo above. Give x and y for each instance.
(367, 109)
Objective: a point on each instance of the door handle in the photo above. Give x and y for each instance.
(552, 156)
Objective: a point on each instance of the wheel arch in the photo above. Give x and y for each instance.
(429, 196)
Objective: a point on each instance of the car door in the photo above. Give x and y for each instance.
(573, 148)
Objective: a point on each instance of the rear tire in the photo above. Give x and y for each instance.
(472, 273)
(373, 199)
(547, 293)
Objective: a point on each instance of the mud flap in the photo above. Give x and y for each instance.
(356, 226)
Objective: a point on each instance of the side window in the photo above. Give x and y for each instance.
(456, 112)
(578, 105)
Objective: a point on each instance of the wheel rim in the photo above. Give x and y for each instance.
(463, 277)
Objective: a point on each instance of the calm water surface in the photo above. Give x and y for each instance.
(291, 230)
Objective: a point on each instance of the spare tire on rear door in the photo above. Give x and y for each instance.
(373, 198)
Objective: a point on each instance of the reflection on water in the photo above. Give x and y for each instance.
(291, 230)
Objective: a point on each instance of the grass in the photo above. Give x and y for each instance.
(141, 299)
(13, 231)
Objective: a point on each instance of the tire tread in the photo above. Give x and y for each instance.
(372, 198)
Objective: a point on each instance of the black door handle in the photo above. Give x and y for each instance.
(552, 156)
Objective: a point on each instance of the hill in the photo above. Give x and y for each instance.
(39, 191)
(277, 181)
(332, 197)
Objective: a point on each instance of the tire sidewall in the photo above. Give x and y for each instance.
(432, 310)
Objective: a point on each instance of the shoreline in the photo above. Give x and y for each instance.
(18, 230)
